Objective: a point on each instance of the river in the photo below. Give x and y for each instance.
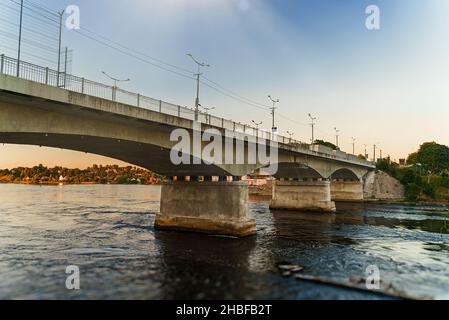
(107, 231)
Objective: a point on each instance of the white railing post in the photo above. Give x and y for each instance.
(138, 99)
(2, 63)
(160, 106)
(179, 111)
(46, 75)
(82, 85)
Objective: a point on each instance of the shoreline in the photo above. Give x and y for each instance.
(253, 191)
(57, 184)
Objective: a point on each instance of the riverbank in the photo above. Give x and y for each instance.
(56, 184)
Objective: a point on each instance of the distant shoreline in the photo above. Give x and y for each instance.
(56, 184)
(264, 190)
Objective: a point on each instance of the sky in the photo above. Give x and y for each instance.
(385, 87)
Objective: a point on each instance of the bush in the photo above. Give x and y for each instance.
(412, 192)
(445, 180)
(409, 176)
(429, 190)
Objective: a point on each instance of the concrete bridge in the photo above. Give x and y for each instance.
(136, 129)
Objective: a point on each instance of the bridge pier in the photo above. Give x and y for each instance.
(302, 196)
(347, 190)
(206, 207)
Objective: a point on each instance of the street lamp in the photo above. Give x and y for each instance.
(312, 124)
(20, 39)
(197, 100)
(290, 135)
(206, 112)
(375, 148)
(353, 146)
(336, 135)
(257, 124)
(273, 109)
(114, 88)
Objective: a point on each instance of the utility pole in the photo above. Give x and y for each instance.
(273, 109)
(336, 135)
(257, 124)
(374, 159)
(366, 152)
(65, 66)
(61, 15)
(198, 75)
(20, 39)
(353, 146)
(312, 124)
(290, 135)
(114, 88)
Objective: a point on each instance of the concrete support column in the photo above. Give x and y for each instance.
(346, 190)
(207, 207)
(302, 196)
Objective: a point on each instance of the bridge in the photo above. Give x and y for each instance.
(40, 107)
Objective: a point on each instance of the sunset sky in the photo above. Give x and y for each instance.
(387, 87)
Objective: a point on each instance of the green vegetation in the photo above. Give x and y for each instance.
(93, 175)
(326, 144)
(432, 157)
(426, 176)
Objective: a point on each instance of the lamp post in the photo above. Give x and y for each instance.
(61, 15)
(290, 135)
(257, 124)
(273, 109)
(206, 111)
(312, 124)
(114, 88)
(197, 100)
(353, 146)
(20, 39)
(337, 132)
(375, 149)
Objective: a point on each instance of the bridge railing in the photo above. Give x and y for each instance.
(32, 72)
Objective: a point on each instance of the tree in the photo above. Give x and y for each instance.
(326, 144)
(412, 158)
(433, 157)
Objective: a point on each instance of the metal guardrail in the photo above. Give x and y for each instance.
(43, 75)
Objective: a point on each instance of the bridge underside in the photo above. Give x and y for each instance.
(36, 114)
(154, 158)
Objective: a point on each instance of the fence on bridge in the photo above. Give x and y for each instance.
(32, 72)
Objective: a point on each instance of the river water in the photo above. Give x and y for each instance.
(108, 232)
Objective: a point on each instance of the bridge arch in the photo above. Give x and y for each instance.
(344, 174)
(296, 171)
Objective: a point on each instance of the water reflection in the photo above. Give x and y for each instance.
(199, 266)
(108, 232)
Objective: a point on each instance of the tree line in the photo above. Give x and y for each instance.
(97, 174)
